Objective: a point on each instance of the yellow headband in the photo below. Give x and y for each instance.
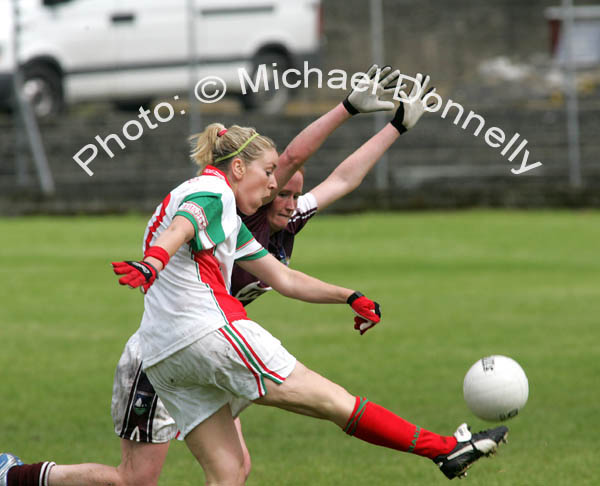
(242, 147)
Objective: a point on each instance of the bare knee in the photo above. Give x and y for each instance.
(141, 463)
(230, 472)
(231, 476)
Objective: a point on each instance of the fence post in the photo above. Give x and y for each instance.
(572, 102)
(382, 182)
(25, 113)
(194, 108)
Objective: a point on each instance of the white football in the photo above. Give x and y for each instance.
(496, 388)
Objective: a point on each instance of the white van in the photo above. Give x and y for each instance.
(130, 51)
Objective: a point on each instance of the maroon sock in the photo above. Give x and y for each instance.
(379, 426)
(29, 474)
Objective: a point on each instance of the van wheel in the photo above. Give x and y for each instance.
(42, 88)
(274, 100)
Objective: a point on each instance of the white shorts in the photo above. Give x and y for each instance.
(228, 365)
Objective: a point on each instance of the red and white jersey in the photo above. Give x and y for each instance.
(191, 296)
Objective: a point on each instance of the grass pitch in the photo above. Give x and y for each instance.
(453, 287)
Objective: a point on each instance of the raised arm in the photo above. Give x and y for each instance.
(372, 93)
(301, 286)
(307, 142)
(351, 172)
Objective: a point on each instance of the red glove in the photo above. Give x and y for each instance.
(367, 312)
(136, 274)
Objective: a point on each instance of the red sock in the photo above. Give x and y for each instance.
(29, 474)
(379, 426)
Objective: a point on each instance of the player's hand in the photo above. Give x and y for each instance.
(412, 107)
(367, 312)
(136, 274)
(374, 93)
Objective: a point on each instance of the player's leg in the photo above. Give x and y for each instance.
(140, 420)
(264, 365)
(141, 463)
(216, 445)
(203, 411)
(83, 475)
(308, 393)
(245, 451)
(49, 474)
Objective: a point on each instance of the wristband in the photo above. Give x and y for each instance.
(159, 253)
(396, 122)
(353, 297)
(401, 128)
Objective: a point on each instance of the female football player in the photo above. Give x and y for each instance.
(203, 359)
(141, 420)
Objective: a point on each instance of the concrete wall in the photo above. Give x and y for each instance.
(438, 164)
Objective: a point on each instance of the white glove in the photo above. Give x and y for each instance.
(374, 93)
(412, 107)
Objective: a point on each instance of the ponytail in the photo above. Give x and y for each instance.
(219, 146)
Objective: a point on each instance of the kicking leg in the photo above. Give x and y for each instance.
(308, 393)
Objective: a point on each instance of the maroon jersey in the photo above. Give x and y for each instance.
(245, 286)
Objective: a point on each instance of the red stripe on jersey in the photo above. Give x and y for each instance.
(241, 355)
(254, 354)
(210, 274)
(157, 221)
(211, 170)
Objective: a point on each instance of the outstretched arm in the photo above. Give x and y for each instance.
(293, 283)
(298, 285)
(372, 93)
(350, 173)
(307, 142)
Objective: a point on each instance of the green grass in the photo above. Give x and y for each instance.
(453, 287)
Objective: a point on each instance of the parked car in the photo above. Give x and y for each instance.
(132, 51)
